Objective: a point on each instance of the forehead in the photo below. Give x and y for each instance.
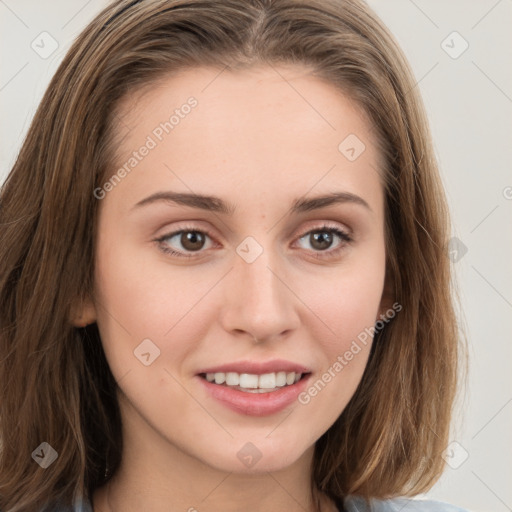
(265, 125)
(277, 96)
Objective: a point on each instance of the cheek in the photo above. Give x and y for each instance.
(351, 307)
(138, 301)
(344, 309)
(128, 293)
(347, 300)
(343, 334)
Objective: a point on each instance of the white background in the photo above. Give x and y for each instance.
(469, 103)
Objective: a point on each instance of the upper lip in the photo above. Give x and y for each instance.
(258, 367)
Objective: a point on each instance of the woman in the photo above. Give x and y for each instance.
(224, 280)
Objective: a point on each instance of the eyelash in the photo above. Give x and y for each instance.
(344, 236)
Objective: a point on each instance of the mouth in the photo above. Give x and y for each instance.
(254, 394)
(254, 383)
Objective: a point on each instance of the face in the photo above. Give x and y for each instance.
(254, 282)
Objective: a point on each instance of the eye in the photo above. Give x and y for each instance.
(191, 240)
(321, 239)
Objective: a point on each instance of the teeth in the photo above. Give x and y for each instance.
(247, 380)
(253, 381)
(267, 380)
(232, 379)
(281, 379)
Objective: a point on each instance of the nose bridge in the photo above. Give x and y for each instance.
(258, 280)
(258, 300)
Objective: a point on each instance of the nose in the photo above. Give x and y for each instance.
(259, 299)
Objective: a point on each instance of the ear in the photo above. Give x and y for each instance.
(83, 312)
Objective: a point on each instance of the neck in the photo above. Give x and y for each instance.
(142, 483)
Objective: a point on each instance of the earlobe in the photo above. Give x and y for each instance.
(83, 315)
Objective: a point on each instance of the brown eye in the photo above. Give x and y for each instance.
(184, 242)
(322, 239)
(192, 240)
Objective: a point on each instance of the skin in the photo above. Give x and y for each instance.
(259, 139)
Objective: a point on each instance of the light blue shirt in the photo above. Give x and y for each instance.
(353, 504)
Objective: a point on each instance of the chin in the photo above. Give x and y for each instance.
(258, 457)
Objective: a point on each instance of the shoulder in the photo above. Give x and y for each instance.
(356, 504)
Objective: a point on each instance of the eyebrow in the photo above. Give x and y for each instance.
(216, 204)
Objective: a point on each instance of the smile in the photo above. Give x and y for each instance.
(254, 401)
(253, 383)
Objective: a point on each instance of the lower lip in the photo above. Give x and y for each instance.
(255, 404)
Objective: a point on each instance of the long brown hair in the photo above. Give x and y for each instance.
(55, 383)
